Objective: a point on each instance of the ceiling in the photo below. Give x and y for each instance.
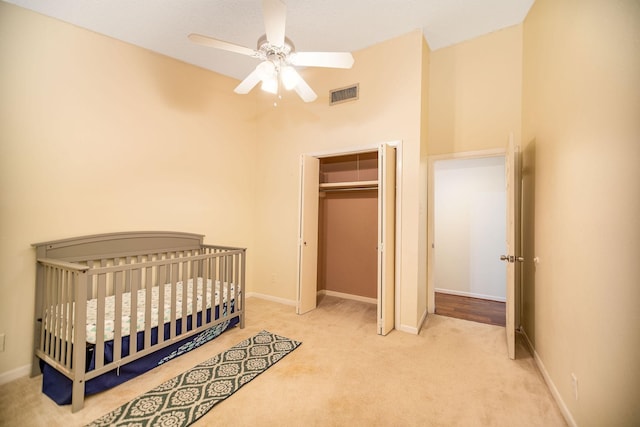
(321, 25)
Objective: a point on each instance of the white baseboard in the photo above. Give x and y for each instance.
(348, 296)
(422, 320)
(470, 294)
(408, 329)
(14, 374)
(413, 329)
(271, 298)
(552, 387)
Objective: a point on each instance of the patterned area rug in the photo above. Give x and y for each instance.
(184, 399)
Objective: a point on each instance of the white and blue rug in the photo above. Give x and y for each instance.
(184, 399)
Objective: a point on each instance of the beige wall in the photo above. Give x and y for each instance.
(581, 131)
(99, 136)
(475, 93)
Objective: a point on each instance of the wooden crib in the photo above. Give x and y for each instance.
(92, 291)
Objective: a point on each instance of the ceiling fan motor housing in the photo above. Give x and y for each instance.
(277, 54)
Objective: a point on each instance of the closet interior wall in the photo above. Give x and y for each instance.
(347, 225)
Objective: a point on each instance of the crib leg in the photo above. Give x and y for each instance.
(242, 321)
(77, 395)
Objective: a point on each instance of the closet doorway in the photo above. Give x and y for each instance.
(347, 229)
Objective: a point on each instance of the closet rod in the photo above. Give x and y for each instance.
(330, 190)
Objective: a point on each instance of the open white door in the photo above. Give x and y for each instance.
(386, 237)
(512, 257)
(308, 234)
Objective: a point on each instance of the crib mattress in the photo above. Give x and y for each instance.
(126, 318)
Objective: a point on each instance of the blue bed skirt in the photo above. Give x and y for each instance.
(58, 387)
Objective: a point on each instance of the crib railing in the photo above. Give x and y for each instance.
(69, 285)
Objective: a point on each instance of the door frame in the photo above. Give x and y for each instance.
(397, 144)
(500, 152)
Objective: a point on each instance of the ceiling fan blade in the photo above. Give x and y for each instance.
(219, 44)
(322, 59)
(275, 17)
(249, 82)
(305, 92)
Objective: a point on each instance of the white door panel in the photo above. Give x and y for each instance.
(308, 235)
(386, 238)
(512, 257)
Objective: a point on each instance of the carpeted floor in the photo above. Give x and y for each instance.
(455, 373)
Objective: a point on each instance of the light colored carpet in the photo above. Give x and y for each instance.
(455, 373)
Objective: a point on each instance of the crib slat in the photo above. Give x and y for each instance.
(133, 321)
(223, 284)
(215, 265)
(185, 280)
(58, 320)
(229, 283)
(68, 326)
(194, 295)
(174, 292)
(100, 318)
(117, 313)
(207, 294)
(162, 280)
(147, 307)
(54, 314)
(64, 321)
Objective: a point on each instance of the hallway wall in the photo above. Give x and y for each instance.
(470, 227)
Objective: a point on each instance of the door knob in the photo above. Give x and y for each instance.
(504, 258)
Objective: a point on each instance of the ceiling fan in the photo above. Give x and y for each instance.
(278, 55)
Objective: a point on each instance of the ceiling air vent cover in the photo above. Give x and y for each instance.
(350, 93)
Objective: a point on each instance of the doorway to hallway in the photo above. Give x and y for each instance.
(469, 210)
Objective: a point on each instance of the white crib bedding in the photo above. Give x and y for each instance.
(109, 322)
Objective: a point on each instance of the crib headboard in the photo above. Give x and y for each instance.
(122, 244)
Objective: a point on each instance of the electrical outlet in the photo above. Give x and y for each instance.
(1, 343)
(574, 384)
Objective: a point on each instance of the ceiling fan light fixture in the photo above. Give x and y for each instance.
(267, 70)
(270, 85)
(290, 77)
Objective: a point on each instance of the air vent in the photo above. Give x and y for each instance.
(350, 93)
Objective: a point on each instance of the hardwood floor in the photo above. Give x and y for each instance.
(475, 309)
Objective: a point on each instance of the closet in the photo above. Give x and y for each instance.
(347, 230)
(347, 226)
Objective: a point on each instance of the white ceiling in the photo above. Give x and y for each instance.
(313, 25)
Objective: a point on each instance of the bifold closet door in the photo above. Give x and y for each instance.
(308, 234)
(386, 238)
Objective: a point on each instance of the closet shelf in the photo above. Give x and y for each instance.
(349, 185)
